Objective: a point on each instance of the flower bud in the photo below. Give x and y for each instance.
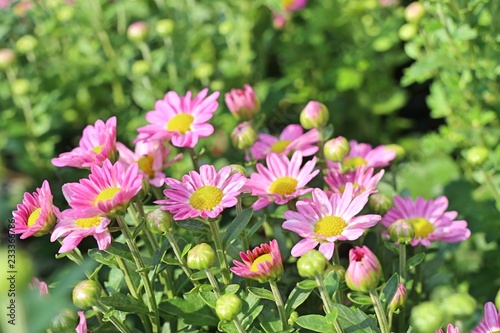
(39, 286)
(426, 317)
(228, 307)
(311, 264)
(459, 305)
(315, 114)
(401, 231)
(236, 168)
(164, 27)
(26, 43)
(243, 136)
(339, 270)
(7, 58)
(414, 12)
(140, 68)
(399, 298)
(400, 151)
(159, 221)
(336, 149)
(86, 294)
(65, 321)
(364, 270)
(293, 318)
(380, 203)
(20, 87)
(65, 13)
(243, 103)
(407, 31)
(476, 155)
(138, 31)
(201, 257)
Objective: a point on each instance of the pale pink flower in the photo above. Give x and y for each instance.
(82, 325)
(362, 180)
(75, 226)
(363, 154)
(263, 263)
(491, 320)
(449, 329)
(399, 298)
(364, 270)
(282, 180)
(243, 103)
(326, 219)
(37, 215)
(429, 219)
(108, 188)
(151, 157)
(180, 119)
(41, 286)
(98, 143)
(205, 194)
(292, 139)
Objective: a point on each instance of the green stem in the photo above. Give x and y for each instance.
(402, 263)
(146, 53)
(194, 158)
(178, 255)
(115, 321)
(213, 282)
(379, 311)
(219, 249)
(327, 301)
(336, 261)
(279, 304)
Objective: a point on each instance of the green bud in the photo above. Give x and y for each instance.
(311, 264)
(86, 294)
(65, 321)
(401, 231)
(228, 307)
(65, 14)
(243, 136)
(20, 87)
(7, 58)
(204, 71)
(339, 270)
(426, 317)
(315, 114)
(336, 149)
(293, 317)
(407, 31)
(201, 257)
(380, 203)
(26, 43)
(140, 68)
(476, 155)
(414, 12)
(399, 298)
(138, 31)
(164, 27)
(159, 221)
(236, 168)
(459, 305)
(497, 299)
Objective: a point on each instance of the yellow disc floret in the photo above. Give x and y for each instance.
(146, 165)
(354, 162)
(263, 258)
(34, 216)
(283, 185)
(280, 146)
(97, 149)
(206, 197)
(89, 222)
(106, 194)
(180, 123)
(422, 227)
(330, 226)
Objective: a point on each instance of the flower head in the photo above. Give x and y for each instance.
(491, 320)
(263, 263)
(243, 103)
(109, 188)
(243, 136)
(290, 140)
(37, 215)
(282, 179)
(205, 194)
(98, 143)
(363, 154)
(364, 270)
(180, 118)
(40, 286)
(336, 149)
(325, 219)
(362, 180)
(314, 114)
(82, 325)
(449, 329)
(429, 220)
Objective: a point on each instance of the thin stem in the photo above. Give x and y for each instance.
(279, 304)
(379, 311)
(115, 321)
(336, 261)
(194, 158)
(219, 249)
(402, 263)
(213, 282)
(178, 255)
(327, 301)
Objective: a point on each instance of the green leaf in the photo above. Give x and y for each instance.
(256, 226)
(102, 257)
(307, 284)
(159, 253)
(331, 281)
(392, 247)
(209, 298)
(192, 309)
(194, 225)
(296, 298)
(200, 275)
(237, 226)
(186, 249)
(389, 290)
(120, 250)
(250, 310)
(232, 289)
(172, 261)
(125, 303)
(355, 321)
(360, 299)
(269, 321)
(262, 293)
(332, 317)
(315, 323)
(415, 260)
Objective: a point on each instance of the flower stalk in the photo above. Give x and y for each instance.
(279, 304)
(219, 249)
(379, 311)
(327, 301)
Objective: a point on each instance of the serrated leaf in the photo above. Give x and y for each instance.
(102, 257)
(307, 284)
(296, 298)
(315, 323)
(237, 226)
(194, 225)
(415, 260)
(125, 303)
(389, 290)
(262, 293)
(355, 321)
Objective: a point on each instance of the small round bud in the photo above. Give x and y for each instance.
(164, 27)
(399, 298)
(311, 264)
(26, 43)
(426, 317)
(364, 270)
(201, 257)
(293, 317)
(140, 68)
(380, 203)
(401, 231)
(7, 58)
(228, 306)
(86, 294)
(65, 321)
(336, 149)
(400, 151)
(315, 114)
(138, 31)
(243, 136)
(159, 221)
(407, 31)
(459, 305)
(238, 169)
(339, 270)
(414, 12)
(20, 87)
(204, 71)
(476, 155)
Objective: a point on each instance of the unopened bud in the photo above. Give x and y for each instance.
(401, 231)
(7, 58)
(238, 169)
(336, 149)
(243, 136)
(65, 14)
(399, 298)
(407, 31)
(20, 87)
(140, 68)
(459, 305)
(86, 294)
(364, 270)
(311, 264)
(26, 43)
(293, 318)
(65, 321)
(476, 155)
(426, 317)
(138, 31)
(201, 257)
(414, 12)
(380, 203)
(243, 103)
(228, 307)
(315, 114)
(164, 27)
(159, 221)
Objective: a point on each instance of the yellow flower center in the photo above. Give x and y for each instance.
(206, 197)
(422, 227)
(354, 162)
(97, 149)
(287, 3)
(146, 164)
(180, 123)
(263, 258)
(106, 194)
(280, 146)
(34, 216)
(354, 185)
(283, 185)
(330, 226)
(89, 222)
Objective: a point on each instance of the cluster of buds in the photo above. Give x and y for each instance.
(244, 106)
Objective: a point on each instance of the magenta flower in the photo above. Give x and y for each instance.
(363, 154)
(449, 329)
(362, 180)
(243, 103)
(290, 140)
(282, 180)
(151, 157)
(75, 226)
(180, 119)
(326, 219)
(41, 286)
(108, 188)
(96, 145)
(263, 263)
(37, 215)
(293, 5)
(364, 270)
(205, 194)
(429, 219)
(82, 325)
(491, 320)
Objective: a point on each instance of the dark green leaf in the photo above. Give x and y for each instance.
(270, 321)
(256, 226)
(355, 321)
(232, 289)
(332, 317)
(125, 303)
(120, 250)
(331, 283)
(390, 289)
(315, 323)
(237, 226)
(307, 284)
(415, 260)
(392, 247)
(192, 310)
(102, 257)
(209, 298)
(296, 298)
(194, 225)
(360, 299)
(262, 293)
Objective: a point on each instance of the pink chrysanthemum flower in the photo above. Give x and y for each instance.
(205, 194)
(364, 270)
(362, 180)
(263, 263)
(108, 188)
(74, 227)
(290, 140)
(181, 119)
(429, 220)
(37, 215)
(97, 144)
(82, 325)
(324, 220)
(449, 329)
(282, 180)
(151, 157)
(363, 154)
(41, 286)
(491, 320)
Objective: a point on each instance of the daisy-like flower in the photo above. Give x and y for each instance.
(363, 154)
(151, 157)
(75, 226)
(290, 140)
(429, 219)
(180, 118)
(205, 194)
(449, 329)
(362, 180)
(97, 144)
(37, 215)
(491, 320)
(282, 180)
(263, 263)
(324, 220)
(109, 188)
(82, 325)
